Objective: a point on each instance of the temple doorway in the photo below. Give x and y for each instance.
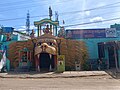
(46, 62)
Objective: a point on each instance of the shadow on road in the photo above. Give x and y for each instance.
(114, 73)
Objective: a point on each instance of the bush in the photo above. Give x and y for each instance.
(69, 68)
(86, 66)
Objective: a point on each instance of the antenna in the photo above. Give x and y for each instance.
(50, 12)
(56, 15)
(28, 23)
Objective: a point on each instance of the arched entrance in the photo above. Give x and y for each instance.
(46, 62)
(45, 57)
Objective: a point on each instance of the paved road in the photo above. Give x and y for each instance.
(82, 83)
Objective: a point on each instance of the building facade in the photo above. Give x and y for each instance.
(93, 39)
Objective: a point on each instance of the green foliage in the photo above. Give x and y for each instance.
(69, 68)
(86, 66)
(0, 56)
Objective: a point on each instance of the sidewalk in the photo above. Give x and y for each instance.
(66, 74)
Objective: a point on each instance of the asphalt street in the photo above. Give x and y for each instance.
(79, 83)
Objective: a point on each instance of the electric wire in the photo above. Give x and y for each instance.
(8, 3)
(100, 7)
(96, 15)
(86, 23)
(29, 6)
(73, 12)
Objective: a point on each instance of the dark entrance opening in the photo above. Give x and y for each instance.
(101, 50)
(111, 57)
(46, 62)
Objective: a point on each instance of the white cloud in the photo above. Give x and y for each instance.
(95, 19)
(87, 13)
(24, 27)
(21, 29)
(101, 4)
(33, 27)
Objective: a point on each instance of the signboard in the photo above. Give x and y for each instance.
(90, 33)
(110, 32)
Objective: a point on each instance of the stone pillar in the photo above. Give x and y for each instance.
(51, 29)
(55, 62)
(38, 30)
(37, 63)
(56, 30)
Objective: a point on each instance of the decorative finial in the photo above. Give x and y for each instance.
(63, 22)
(50, 12)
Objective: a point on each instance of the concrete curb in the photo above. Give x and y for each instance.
(53, 75)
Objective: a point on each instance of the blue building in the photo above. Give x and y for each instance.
(8, 36)
(7, 29)
(97, 42)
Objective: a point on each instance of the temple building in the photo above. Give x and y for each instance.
(56, 49)
(49, 51)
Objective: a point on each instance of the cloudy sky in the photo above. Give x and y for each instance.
(75, 13)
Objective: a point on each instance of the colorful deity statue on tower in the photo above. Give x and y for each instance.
(32, 34)
(47, 30)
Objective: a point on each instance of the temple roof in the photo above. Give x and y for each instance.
(46, 20)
